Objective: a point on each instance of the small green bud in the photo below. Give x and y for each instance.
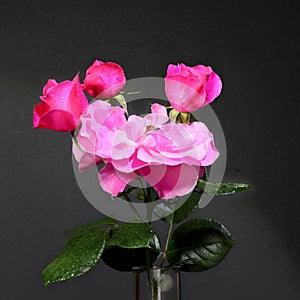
(185, 117)
(173, 115)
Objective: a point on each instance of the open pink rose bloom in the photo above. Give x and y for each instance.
(169, 156)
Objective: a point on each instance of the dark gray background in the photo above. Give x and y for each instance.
(253, 46)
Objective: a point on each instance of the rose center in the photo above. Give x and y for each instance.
(150, 128)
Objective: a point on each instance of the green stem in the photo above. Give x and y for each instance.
(132, 206)
(147, 199)
(167, 244)
(143, 190)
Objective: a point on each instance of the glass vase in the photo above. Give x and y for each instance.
(157, 283)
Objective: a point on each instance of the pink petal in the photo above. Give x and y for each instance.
(110, 92)
(203, 69)
(158, 116)
(113, 181)
(58, 120)
(85, 160)
(51, 83)
(130, 164)
(171, 181)
(152, 147)
(77, 100)
(158, 109)
(213, 87)
(113, 117)
(201, 172)
(182, 97)
(57, 97)
(93, 84)
(126, 140)
(174, 69)
(38, 111)
(99, 127)
(94, 66)
(211, 155)
(122, 146)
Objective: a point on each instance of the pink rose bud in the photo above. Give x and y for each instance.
(189, 88)
(104, 80)
(61, 106)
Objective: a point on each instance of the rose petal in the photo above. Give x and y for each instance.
(77, 101)
(85, 160)
(54, 119)
(211, 155)
(51, 83)
(130, 164)
(38, 111)
(171, 181)
(201, 172)
(158, 116)
(57, 97)
(99, 127)
(213, 87)
(113, 181)
(182, 97)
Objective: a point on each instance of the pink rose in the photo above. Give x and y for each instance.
(169, 156)
(104, 80)
(61, 106)
(189, 88)
(113, 181)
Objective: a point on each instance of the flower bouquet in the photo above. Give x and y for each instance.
(157, 164)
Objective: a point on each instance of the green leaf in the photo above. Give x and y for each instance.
(221, 188)
(199, 244)
(78, 256)
(125, 260)
(185, 209)
(99, 223)
(131, 235)
(131, 245)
